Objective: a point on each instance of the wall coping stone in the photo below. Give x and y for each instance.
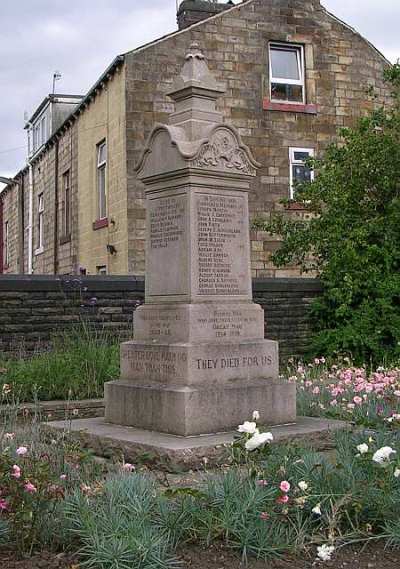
(113, 283)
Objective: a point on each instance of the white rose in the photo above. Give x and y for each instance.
(256, 416)
(325, 552)
(317, 510)
(397, 473)
(363, 448)
(248, 427)
(303, 485)
(382, 455)
(257, 440)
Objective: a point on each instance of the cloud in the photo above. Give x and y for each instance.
(81, 38)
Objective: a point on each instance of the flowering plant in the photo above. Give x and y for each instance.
(251, 445)
(348, 393)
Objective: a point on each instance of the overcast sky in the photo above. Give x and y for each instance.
(80, 38)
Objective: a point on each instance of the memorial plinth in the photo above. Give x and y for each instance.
(199, 362)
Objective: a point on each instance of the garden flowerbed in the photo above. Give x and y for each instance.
(216, 557)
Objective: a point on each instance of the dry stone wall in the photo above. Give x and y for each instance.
(33, 308)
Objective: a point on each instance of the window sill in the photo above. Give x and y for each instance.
(289, 107)
(100, 223)
(65, 239)
(39, 251)
(295, 206)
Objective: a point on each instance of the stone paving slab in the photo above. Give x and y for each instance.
(171, 451)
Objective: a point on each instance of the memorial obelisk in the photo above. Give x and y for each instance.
(199, 362)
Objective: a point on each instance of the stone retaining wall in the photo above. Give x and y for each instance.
(33, 308)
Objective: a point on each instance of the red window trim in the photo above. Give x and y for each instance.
(289, 107)
(100, 223)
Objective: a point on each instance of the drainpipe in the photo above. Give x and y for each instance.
(56, 200)
(30, 220)
(21, 207)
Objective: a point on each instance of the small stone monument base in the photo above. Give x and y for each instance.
(194, 410)
(171, 452)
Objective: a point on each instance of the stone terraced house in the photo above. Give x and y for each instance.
(293, 75)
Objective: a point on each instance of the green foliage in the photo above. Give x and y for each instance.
(81, 361)
(352, 239)
(339, 500)
(34, 480)
(117, 526)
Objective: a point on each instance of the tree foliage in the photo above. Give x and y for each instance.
(352, 239)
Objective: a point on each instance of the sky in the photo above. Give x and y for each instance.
(80, 38)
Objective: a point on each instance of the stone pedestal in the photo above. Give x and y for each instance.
(199, 362)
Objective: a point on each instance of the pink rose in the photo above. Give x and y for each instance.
(16, 471)
(283, 499)
(3, 505)
(21, 451)
(128, 467)
(357, 400)
(29, 487)
(285, 486)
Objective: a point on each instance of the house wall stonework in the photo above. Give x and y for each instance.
(58, 254)
(9, 214)
(340, 69)
(104, 119)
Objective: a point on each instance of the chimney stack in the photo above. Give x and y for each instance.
(193, 11)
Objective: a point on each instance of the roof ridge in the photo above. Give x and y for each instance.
(193, 26)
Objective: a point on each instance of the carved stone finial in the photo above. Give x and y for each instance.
(195, 52)
(195, 77)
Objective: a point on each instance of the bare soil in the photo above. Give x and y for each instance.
(216, 557)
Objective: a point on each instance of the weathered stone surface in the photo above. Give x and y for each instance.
(169, 451)
(199, 364)
(194, 410)
(286, 301)
(197, 174)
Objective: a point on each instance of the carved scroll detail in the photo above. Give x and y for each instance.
(223, 152)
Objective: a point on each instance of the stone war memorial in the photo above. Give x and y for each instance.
(199, 362)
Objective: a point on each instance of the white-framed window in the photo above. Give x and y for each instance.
(286, 73)
(36, 137)
(299, 172)
(43, 130)
(40, 225)
(101, 180)
(6, 244)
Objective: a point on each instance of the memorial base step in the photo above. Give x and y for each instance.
(186, 411)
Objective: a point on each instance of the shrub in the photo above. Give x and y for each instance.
(352, 238)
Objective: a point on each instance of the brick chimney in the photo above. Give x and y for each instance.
(193, 11)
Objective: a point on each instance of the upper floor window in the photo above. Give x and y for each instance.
(40, 223)
(101, 179)
(6, 244)
(66, 204)
(299, 171)
(286, 71)
(39, 133)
